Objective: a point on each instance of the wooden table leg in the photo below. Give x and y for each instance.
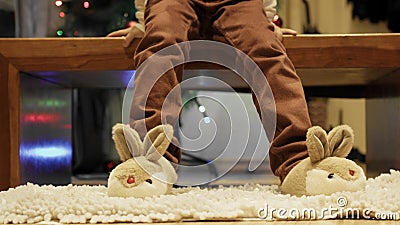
(9, 125)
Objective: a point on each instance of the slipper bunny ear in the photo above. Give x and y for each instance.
(157, 141)
(341, 139)
(127, 141)
(317, 144)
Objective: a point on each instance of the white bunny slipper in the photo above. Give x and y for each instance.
(144, 171)
(326, 170)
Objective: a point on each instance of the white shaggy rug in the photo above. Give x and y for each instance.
(89, 204)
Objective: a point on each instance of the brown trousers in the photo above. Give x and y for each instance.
(243, 24)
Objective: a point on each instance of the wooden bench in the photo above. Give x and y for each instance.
(365, 65)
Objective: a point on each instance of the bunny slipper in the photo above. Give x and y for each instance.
(144, 171)
(326, 170)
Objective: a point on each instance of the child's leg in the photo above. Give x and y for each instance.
(257, 39)
(167, 23)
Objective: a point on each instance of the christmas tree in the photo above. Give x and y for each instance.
(93, 18)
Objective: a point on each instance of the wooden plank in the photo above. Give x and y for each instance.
(10, 124)
(386, 86)
(344, 51)
(72, 54)
(306, 51)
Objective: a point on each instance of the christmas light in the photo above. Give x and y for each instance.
(86, 4)
(202, 108)
(58, 3)
(60, 32)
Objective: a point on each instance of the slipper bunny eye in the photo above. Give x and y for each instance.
(330, 176)
(130, 180)
(149, 181)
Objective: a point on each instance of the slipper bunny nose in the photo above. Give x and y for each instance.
(130, 180)
(351, 172)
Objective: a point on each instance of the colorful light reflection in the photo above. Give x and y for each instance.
(128, 77)
(51, 103)
(48, 152)
(46, 162)
(46, 142)
(42, 118)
